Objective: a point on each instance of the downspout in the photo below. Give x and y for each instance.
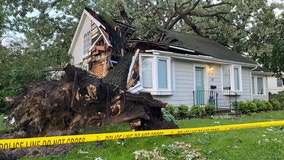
(251, 91)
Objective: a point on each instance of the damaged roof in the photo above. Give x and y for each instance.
(204, 46)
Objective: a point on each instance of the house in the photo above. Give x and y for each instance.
(260, 83)
(275, 84)
(98, 41)
(179, 69)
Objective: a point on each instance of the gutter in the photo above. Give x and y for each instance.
(200, 58)
(250, 77)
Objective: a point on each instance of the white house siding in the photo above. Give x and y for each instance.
(272, 85)
(183, 82)
(78, 49)
(245, 95)
(214, 76)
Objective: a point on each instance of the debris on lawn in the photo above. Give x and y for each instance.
(177, 150)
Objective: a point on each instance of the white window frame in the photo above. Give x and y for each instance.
(87, 42)
(232, 77)
(155, 90)
(255, 83)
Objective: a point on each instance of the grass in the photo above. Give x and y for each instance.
(256, 143)
(3, 127)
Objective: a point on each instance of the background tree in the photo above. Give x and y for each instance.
(44, 29)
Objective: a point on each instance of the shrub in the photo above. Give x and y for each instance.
(251, 106)
(210, 109)
(277, 97)
(260, 105)
(168, 116)
(182, 111)
(276, 105)
(242, 107)
(171, 109)
(197, 111)
(282, 105)
(268, 106)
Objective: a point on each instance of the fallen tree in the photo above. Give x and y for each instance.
(79, 101)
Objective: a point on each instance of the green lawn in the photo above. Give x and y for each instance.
(256, 143)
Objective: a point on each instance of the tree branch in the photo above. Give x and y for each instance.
(217, 4)
(178, 11)
(161, 18)
(207, 15)
(192, 25)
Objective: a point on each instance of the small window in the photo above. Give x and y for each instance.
(226, 78)
(231, 77)
(280, 82)
(87, 42)
(162, 74)
(237, 78)
(259, 85)
(147, 72)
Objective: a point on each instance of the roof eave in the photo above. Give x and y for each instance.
(201, 58)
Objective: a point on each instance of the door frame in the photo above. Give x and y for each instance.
(205, 80)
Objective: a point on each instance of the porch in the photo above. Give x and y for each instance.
(222, 99)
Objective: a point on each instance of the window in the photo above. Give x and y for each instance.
(231, 77)
(155, 74)
(87, 42)
(147, 72)
(226, 78)
(237, 78)
(257, 85)
(162, 74)
(280, 82)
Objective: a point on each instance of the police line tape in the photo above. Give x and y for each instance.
(56, 140)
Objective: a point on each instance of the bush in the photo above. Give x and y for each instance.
(243, 108)
(182, 111)
(171, 109)
(260, 105)
(168, 116)
(251, 106)
(282, 106)
(276, 105)
(197, 111)
(210, 110)
(269, 107)
(277, 97)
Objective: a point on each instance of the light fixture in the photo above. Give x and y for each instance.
(211, 68)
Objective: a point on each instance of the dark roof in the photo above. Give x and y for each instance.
(261, 69)
(203, 45)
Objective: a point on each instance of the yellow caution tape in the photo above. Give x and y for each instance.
(55, 140)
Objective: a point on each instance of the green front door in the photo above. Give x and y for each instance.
(199, 85)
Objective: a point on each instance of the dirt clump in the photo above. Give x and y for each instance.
(78, 101)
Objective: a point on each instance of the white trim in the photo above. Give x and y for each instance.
(84, 15)
(130, 72)
(155, 90)
(173, 66)
(264, 85)
(183, 49)
(205, 76)
(251, 81)
(232, 77)
(240, 78)
(201, 58)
